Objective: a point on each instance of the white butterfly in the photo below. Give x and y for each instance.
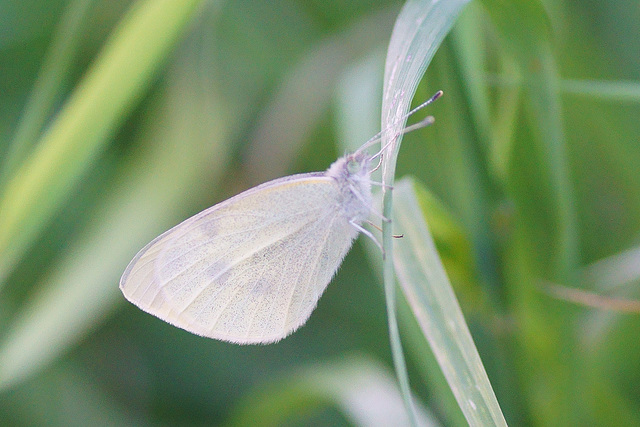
(252, 268)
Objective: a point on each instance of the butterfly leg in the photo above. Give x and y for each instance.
(367, 233)
(381, 184)
(395, 236)
(379, 215)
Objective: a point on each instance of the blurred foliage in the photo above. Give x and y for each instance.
(530, 170)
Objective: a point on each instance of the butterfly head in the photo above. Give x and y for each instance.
(353, 168)
(357, 165)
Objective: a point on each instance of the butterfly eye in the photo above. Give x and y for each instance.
(353, 166)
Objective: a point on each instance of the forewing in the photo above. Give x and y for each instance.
(247, 270)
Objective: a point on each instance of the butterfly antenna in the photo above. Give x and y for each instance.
(421, 124)
(437, 95)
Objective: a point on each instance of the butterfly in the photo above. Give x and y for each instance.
(251, 269)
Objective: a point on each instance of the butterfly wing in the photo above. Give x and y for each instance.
(250, 269)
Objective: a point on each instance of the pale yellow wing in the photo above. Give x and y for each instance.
(250, 269)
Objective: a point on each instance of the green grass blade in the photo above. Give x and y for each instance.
(101, 101)
(185, 142)
(419, 30)
(620, 91)
(524, 28)
(544, 244)
(47, 87)
(471, 56)
(433, 302)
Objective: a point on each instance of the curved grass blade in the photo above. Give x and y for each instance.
(433, 302)
(419, 30)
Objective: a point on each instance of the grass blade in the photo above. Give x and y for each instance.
(47, 87)
(110, 89)
(184, 149)
(419, 30)
(429, 293)
(545, 242)
(616, 91)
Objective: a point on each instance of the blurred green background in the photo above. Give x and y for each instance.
(195, 101)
